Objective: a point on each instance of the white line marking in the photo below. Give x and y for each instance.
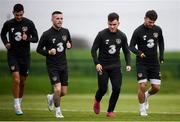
(79, 110)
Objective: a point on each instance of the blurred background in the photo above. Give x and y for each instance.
(84, 19)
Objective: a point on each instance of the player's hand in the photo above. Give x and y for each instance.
(99, 68)
(128, 68)
(24, 36)
(8, 46)
(52, 51)
(142, 55)
(68, 45)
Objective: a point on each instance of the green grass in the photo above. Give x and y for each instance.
(79, 108)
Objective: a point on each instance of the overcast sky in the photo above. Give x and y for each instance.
(85, 18)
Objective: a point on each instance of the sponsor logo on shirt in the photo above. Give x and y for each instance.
(53, 40)
(144, 37)
(12, 30)
(107, 41)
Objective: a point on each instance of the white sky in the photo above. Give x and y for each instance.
(85, 18)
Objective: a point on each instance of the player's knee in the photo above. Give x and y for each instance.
(142, 86)
(16, 80)
(63, 93)
(57, 91)
(116, 90)
(102, 91)
(156, 88)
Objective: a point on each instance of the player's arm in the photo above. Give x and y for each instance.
(41, 46)
(161, 48)
(133, 48)
(127, 53)
(94, 49)
(33, 34)
(4, 32)
(69, 42)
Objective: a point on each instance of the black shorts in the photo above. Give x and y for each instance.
(148, 72)
(57, 75)
(20, 64)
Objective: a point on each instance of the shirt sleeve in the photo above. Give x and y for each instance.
(4, 32)
(126, 51)
(41, 48)
(161, 46)
(33, 34)
(94, 49)
(133, 43)
(69, 39)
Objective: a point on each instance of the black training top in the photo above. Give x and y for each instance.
(15, 30)
(109, 45)
(147, 40)
(57, 39)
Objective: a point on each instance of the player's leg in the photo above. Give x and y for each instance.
(116, 80)
(141, 97)
(64, 90)
(64, 81)
(21, 86)
(56, 99)
(154, 89)
(24, 65)
(16, 91)
(142, 81)
(102, 89)
(64, 87)
(155, 79)
(16, 83)
(52, 73)
(14, 68)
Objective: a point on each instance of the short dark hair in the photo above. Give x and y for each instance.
(152, 15)
(18, 7)
(56, 12)
(113, 16)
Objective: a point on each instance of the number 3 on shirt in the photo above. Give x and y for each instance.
(18, 36)
(112, 49)
(60, 47)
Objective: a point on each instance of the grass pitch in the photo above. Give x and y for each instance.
(79, 108)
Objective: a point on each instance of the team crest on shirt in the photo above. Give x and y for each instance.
(54, 78)
(118, 41)
(144, 37)
(12, 30)
(53, 40)
(107, 41)
(13, 67)
(155, 35)
(24, 28)
(64, 37)
(140, 75)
